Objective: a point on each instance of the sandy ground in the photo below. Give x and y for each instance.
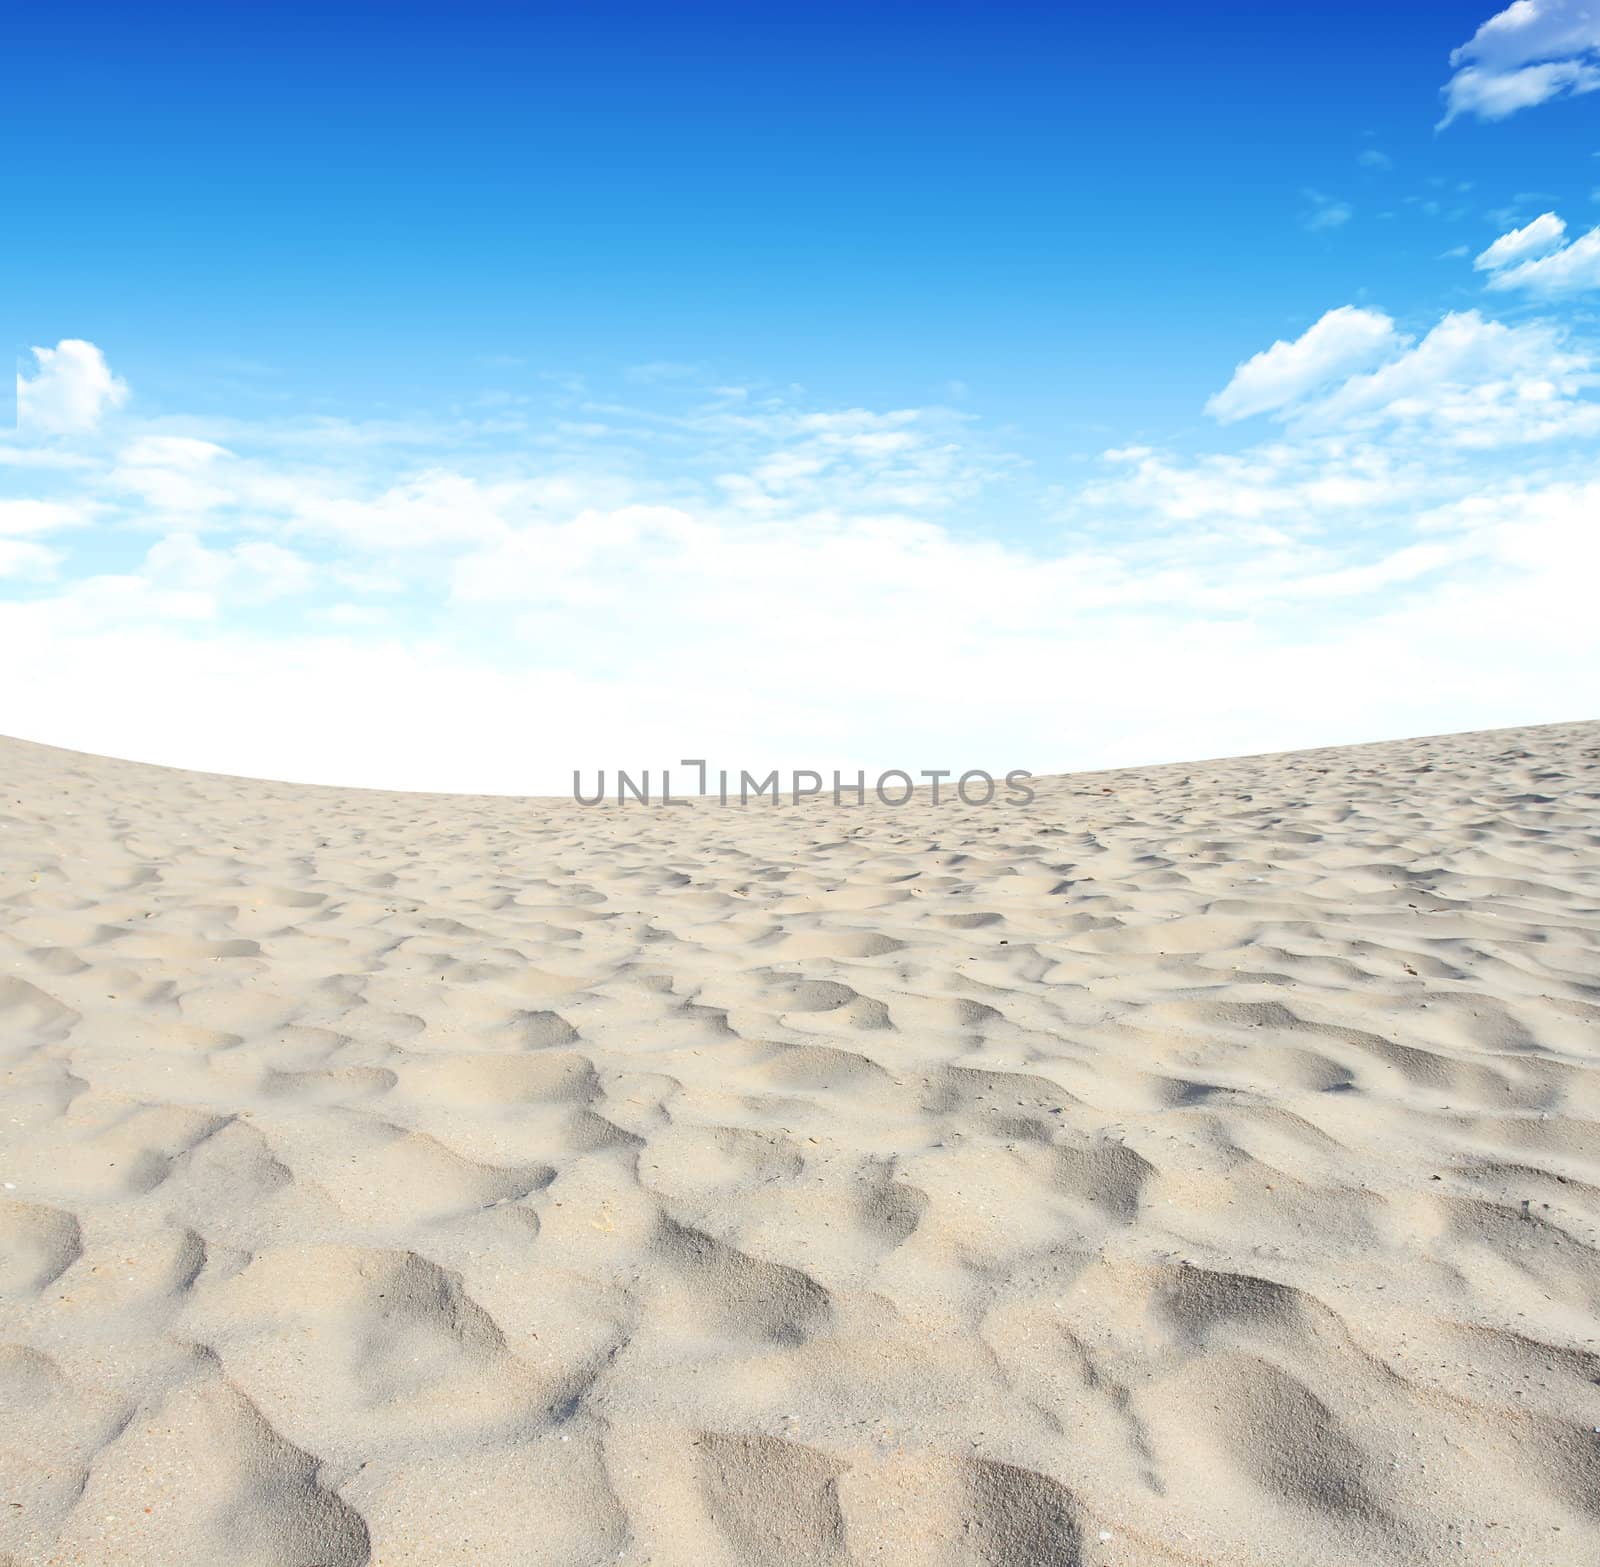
(1197, 1166)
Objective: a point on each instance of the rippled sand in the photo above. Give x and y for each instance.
(1197, 1166)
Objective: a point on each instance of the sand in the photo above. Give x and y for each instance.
(1200, 1165)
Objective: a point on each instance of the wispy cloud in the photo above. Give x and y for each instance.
(1325, 212)
(659, 370)
(1525, 55)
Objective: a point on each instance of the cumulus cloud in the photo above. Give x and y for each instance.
(1547, 232)
(1469, 382)
(1525, 55)
(1569, 269)
(1341, 342)
(1472, 383)
(72, 389)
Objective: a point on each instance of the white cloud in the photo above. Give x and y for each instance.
(23, 558)
(801, 588)
(871, 643)
(35, 516)
(1341, 342)
(1572, 269)
(1532, 51)
(172, 473)
(39, 457)
(73, 388)
(430, 510)
(1470, 382)
(253, 571)
(1545, 233)
(1284, 487)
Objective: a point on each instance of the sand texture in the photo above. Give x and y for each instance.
(1200, 1165)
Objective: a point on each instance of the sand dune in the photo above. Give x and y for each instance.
(1200, 1165)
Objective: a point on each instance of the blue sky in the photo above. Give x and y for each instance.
(555, 352)
(1078, 212)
